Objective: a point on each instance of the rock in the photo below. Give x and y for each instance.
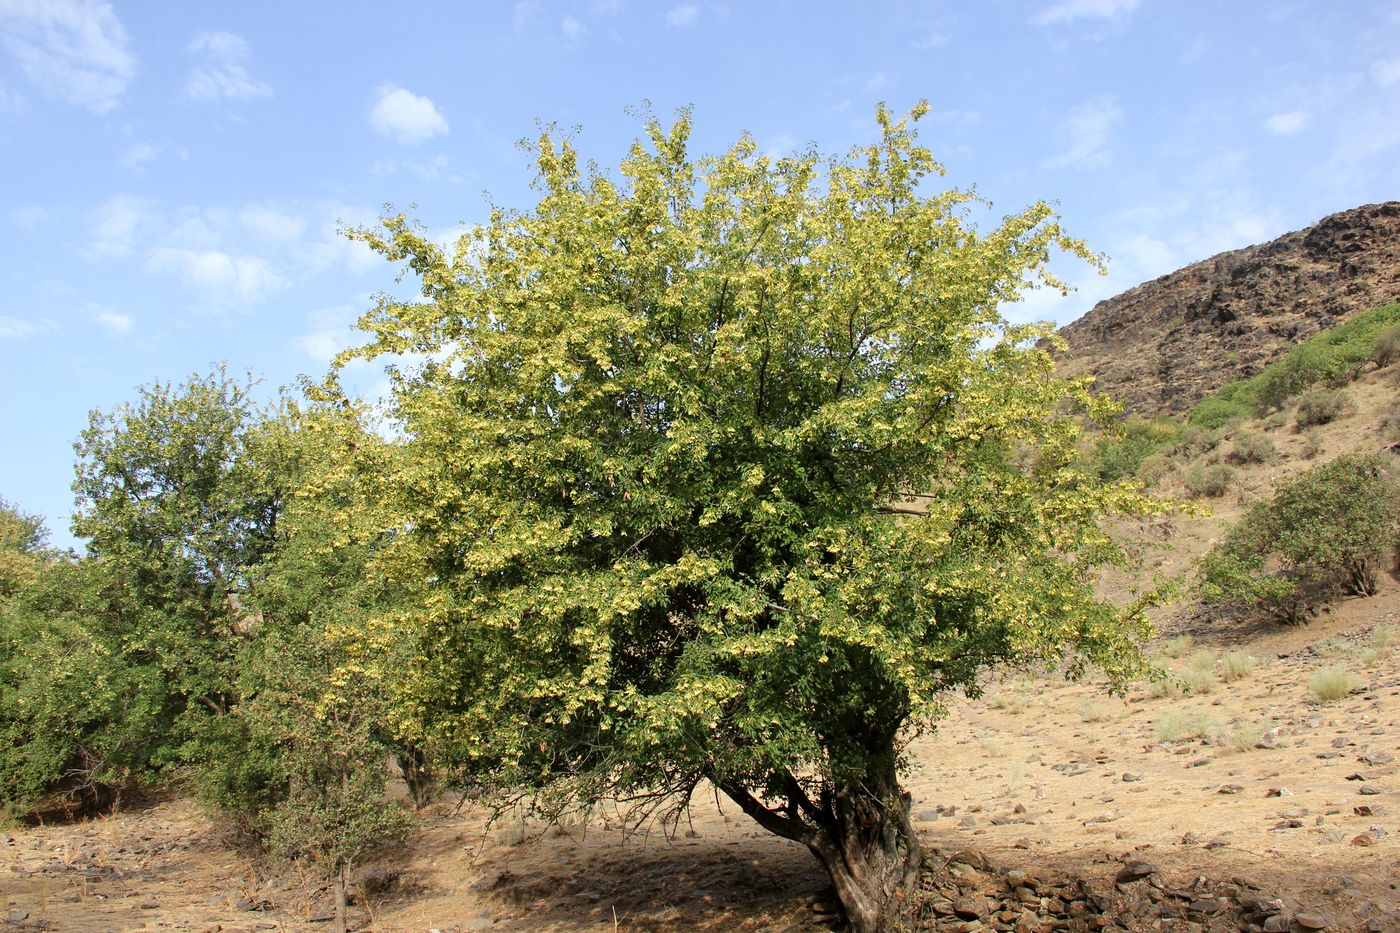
(325, 916)
(1377, 758)
(72, 897)
(17, 916)
(969, 908)
(149, 904)
(926, 816)
(479, 923)
(1129, 777)
(376, 879)
(1278, 923)
(1231, 789)
(1295, 813)
(1135, 871)
(1364, 839)
(1287, 824)
(1368, 789)
(1278, 792)
(1163, 345)
(1311, 921)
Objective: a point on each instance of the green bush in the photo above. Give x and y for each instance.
(1211, 480)
(1335, 355)
(1321, 406)
(1386, 349)
(1251, 448)
(1326, 531)
(1121, 452)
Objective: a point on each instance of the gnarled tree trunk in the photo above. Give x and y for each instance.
(860, 832)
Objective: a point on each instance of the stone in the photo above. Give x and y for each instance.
(1311, 921)
(1377, 758)
(1364, 839)
(1129, 777)
(1135, 871)
(1231, 789)
(1368, 789)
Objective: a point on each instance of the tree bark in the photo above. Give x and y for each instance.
(342, 881)
(861, 833)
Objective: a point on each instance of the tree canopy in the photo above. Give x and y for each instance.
(726, 469)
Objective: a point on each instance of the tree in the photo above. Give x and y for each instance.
(22, 550)
(727, 470)
(1325, 531)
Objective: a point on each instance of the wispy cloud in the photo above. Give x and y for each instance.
(220, 279)
(12, 328)
(74, 50)
(1069, 11)
(1086, 133)
(683, 16)
(573, 29)
(113, 321)
(405, 116)
(222, 72)
(116, 225)
(138, 155)
(1286, 124)
(1386, 71)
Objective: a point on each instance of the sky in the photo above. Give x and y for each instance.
(176, 174)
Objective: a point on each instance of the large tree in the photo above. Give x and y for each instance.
(725, 470)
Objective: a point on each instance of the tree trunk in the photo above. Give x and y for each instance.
(860, 832)
(342, 882)
(871, 854)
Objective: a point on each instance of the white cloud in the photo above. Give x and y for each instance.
(12, 328)
(220, 278)
(116, 224)
(221, 73)
(436, 168)
(268, 223)
(683, 16)
(74, 50)
(1386, 71)
(1086, 133)
(1285, 124)
(138, 155)
(573, 29)
(933, 39)
(523, 13)
(405, 116)
(1068, 11)
(113, 321)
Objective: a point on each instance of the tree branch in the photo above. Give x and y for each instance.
(785, 826)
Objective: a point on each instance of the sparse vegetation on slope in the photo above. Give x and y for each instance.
(1335, 355)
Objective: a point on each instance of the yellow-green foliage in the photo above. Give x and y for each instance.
(715, 468)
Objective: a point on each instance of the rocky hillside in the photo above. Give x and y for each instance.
(1163, 345)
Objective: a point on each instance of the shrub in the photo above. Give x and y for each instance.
(1386, 349)
(1211, 480)
(1334, 355)
(1094, 711)
(1155, 469)
(1125, 447)
(1179, 646)
(1328, 686)
(1235, 666)
(1326, 530)
(1251, 448)
(1320, 407)
(1199, 681)
(1244, 739)
(1175, 725)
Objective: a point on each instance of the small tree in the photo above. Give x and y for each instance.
(1325, 531)
(727, 470)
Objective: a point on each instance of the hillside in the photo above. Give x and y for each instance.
(1163, 345)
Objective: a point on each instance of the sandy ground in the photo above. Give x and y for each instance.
(1039, 774)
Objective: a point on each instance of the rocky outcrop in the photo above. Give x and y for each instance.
(1162, 346)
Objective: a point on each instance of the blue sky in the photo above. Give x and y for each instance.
(175, 172)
